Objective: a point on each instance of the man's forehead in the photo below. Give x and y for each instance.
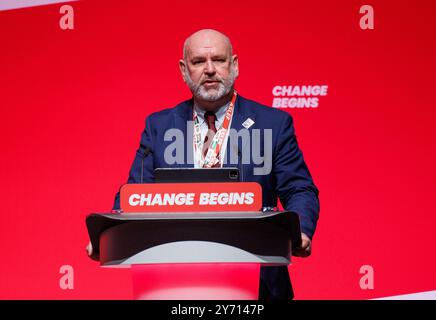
(207, 49)
(207, 43)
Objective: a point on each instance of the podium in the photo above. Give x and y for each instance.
(198, 255)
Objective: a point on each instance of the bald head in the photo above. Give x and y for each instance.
(207, 38)
(209, 67)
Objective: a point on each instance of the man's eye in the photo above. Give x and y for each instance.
(197, 62)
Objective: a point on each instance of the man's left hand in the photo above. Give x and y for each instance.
(305, 249)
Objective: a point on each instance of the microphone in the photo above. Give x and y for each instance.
(242, 165)
(147, 151)
(238, 151)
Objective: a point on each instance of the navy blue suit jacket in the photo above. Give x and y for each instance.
(289, 179)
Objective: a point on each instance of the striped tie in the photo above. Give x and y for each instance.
(210, 118)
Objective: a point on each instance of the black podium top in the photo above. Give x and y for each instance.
(125, 239)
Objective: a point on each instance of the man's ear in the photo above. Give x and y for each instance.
(182, 67)
(235, 61)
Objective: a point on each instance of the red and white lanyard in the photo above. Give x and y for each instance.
(216, 145)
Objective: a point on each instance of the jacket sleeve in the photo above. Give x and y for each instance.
(144, 159)
(294, 185)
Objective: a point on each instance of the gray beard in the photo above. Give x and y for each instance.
(200, 91)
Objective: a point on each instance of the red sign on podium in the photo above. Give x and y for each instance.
(191, 197)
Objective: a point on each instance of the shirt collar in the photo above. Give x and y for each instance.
(220, 113)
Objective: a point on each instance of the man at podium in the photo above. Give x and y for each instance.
(209, 68)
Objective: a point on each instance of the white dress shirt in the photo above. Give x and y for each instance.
(220, 115)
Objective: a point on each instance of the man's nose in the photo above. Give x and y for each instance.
(209, 68)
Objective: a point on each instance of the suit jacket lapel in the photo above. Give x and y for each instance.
(181, 118)
(236, 145)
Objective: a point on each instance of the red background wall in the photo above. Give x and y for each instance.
(73, 104)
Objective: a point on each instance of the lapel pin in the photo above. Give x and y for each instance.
(248, 123)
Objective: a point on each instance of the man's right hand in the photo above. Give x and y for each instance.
(306, 247)
(89, 249)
